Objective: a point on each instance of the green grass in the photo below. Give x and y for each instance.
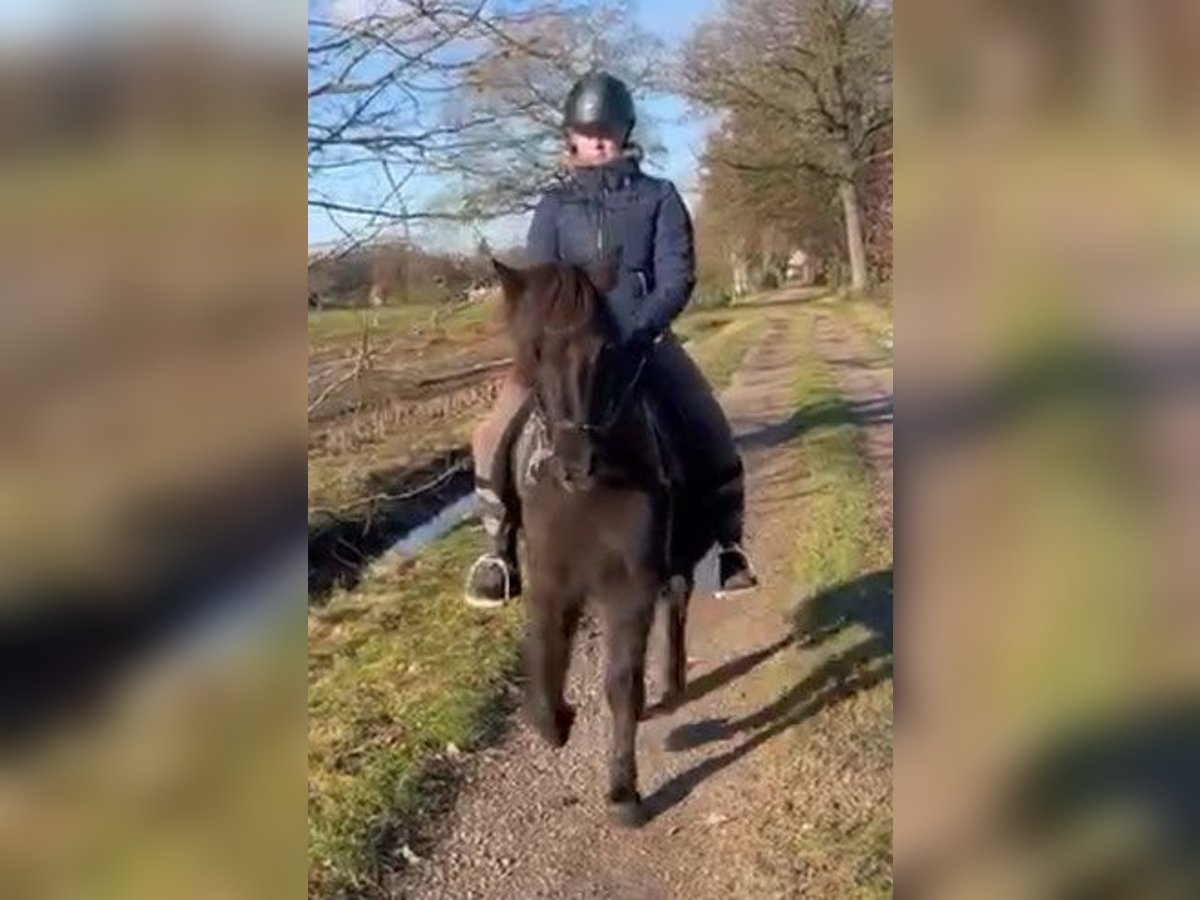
(398, 671)
(860, 854)
(874, 318)
(837, 542)
(719, 353)
(694, 325)
(330, 326)
(848, 847)
(336, 326)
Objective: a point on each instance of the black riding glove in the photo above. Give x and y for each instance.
(641, 340)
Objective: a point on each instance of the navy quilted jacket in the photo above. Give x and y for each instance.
(617, 211)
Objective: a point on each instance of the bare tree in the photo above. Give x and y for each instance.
(447, 110)
(807, 82)
(520, 94)
(382, 76)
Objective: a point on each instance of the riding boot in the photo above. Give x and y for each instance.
(494, 578)
(734, 571)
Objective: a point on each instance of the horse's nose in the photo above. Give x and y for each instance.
(576, 470)
(579, 471)
(575, 454)
(576, 483)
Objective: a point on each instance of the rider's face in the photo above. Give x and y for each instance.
(591, 149)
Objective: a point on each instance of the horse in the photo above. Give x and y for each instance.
(605, 523)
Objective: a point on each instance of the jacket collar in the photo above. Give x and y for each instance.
(611, 176)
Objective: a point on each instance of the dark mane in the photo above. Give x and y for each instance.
(559, 305)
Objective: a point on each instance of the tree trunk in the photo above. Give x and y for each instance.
(854, 236)
(741, 274)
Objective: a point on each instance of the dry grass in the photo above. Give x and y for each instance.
(344, 460)
(389, 423)
(379, 417)
(334, 329)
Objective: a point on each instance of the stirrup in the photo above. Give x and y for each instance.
(722, 594)
(473, 599)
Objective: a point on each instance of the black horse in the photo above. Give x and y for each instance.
(603, 519)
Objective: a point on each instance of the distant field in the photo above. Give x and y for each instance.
(332, 327)
(329, 329)
(378, 414)
(385, 419)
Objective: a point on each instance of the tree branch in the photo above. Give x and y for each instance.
(403, 216)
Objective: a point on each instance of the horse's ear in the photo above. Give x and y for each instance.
(602, 274)
(511, 280)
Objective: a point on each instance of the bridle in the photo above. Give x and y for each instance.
(615, 413)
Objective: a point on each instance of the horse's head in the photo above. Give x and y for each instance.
(568, 354)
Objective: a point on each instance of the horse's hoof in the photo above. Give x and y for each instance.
(564, 721)
(630, 814)
(554, 728)
(671, 700)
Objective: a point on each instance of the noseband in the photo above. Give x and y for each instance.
(601, 430)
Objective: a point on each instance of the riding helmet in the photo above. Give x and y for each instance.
(600, 102)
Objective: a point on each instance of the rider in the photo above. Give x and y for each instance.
(608, 208)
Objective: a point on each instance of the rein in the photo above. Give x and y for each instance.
(618, 409)
(615, 413)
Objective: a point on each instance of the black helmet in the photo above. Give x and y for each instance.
(600, 102)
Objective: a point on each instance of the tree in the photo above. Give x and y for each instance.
(408, 98)
(805, 85)
(376, 75)
(877, 211)
(391, 272)
(520, 94)
(750, 219)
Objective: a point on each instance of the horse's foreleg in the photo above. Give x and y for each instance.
(675, 659)
(627, 630)
(550, 628)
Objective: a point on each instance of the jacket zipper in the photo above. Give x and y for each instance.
(600, 223)
(599, 231)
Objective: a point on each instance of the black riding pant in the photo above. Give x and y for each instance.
(700, 434)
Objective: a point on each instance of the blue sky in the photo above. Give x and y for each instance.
(680, 130)
(40, 23)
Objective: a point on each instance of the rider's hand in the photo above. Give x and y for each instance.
(641, 340)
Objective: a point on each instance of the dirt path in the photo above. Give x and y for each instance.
(531, 823)
(866, 383)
